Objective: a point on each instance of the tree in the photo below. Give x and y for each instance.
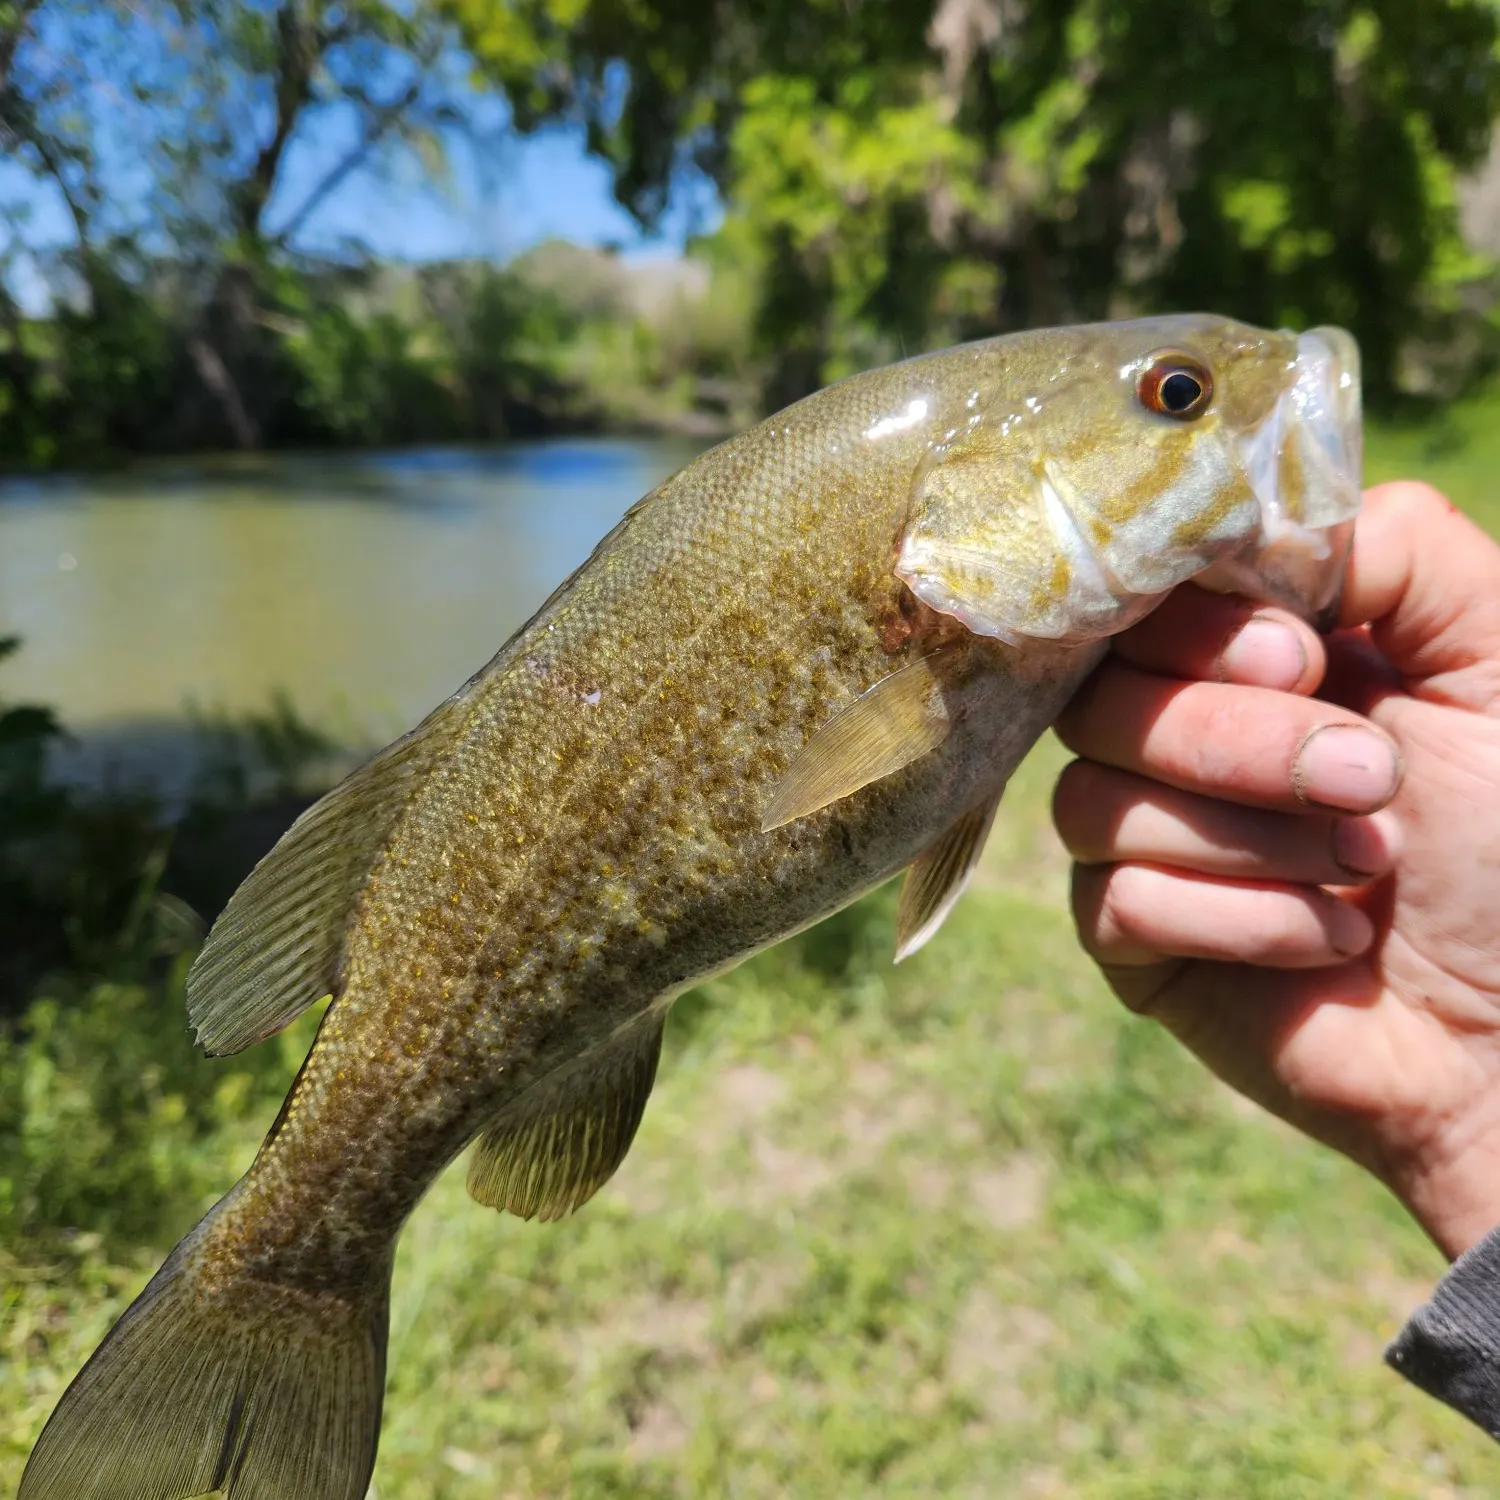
(165, 128)
(904, 176)
(268, 72)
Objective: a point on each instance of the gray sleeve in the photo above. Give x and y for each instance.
(1450, 1346)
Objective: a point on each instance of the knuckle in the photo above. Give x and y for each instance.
(1086, 896)
(1412, 494)
(1283, 927)
(1233, 742)
(1101, 906)
(1073, 725)
(1077, 802)
(1212, 734)
(1146, 991)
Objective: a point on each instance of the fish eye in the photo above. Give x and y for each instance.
(1175, 385)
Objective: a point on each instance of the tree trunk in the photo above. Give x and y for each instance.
(219, 383)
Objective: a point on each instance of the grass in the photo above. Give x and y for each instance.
(1458, 451)
(961, 1228)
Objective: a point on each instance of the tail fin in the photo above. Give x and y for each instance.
(252, 1390)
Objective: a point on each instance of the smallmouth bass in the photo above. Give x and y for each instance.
(806, 662)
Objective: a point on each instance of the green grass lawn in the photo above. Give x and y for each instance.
(1459, 452)
(961, 1228)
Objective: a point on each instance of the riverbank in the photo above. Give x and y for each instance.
(285, 357)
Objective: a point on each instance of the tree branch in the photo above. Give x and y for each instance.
(384, 117)
(215, 376)
(297, 52)
(54, 165)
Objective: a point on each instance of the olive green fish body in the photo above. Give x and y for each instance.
(809, 660)
(592, 843)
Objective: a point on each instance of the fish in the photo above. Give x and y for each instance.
(808, 661)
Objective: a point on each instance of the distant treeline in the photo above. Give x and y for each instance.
(279, 354)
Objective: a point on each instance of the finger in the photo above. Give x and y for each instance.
(1137, 916)
(1109, 817)
(1426, 580)
(1216, 637)
(1245, 744)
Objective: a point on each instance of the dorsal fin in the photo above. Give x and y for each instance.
(937, 877)
(276, 946)
(566, 1136)
(887, 727)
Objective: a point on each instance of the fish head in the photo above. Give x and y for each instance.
(1096, 468)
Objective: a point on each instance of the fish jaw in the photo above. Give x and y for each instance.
(1304, 464)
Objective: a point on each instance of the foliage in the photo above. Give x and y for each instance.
(1457, 449)
(899, 177)
(893, 178)
(188, 143)
(367, 355)
(186, 317)
(112, 1139)
(176, 172)
(75, 876)
(103, 1104)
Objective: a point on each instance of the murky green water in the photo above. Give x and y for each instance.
(366, 587)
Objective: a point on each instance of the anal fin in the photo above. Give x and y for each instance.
(565, 1137)
(936, 879)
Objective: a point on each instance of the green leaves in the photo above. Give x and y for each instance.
(27, 803)
(895, 178)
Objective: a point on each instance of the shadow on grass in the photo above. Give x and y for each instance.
(110, 1117)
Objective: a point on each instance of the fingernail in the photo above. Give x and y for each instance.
(1264, 653)
(1349, 929)
(1347, 767)
(1364, 847)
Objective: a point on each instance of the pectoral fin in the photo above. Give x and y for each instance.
(886, 728)
(937, 879)
(566, 1136)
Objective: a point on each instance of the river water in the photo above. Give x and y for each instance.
(364, 587)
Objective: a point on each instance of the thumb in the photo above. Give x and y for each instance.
(1426, 580)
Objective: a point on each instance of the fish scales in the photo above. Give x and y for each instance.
(643, 714)
(809, 660)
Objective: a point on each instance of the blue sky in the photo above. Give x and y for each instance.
(540, 187)
(523, 191)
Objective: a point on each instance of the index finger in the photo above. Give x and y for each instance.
(1193, 634)
(1244, 744)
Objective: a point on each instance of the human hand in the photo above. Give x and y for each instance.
(1236, 877)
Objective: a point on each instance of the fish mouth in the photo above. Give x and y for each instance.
(1326, 406)
(1303, 463)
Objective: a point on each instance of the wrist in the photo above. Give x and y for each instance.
(1452, 1189)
